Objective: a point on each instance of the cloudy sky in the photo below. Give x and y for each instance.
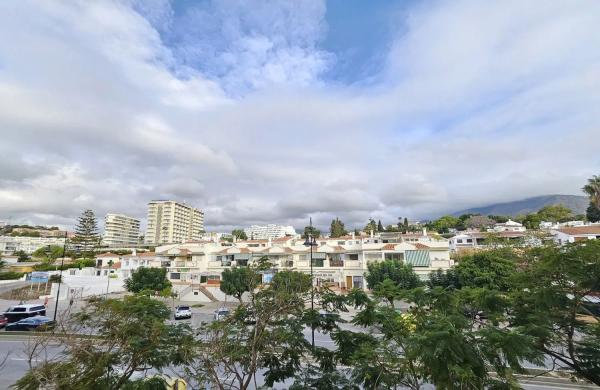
(274, 111)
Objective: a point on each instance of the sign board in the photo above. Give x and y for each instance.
(39, 277)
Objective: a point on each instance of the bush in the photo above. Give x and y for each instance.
(54, 279)
(10, 275)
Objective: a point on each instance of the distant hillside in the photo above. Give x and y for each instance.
(576, 203)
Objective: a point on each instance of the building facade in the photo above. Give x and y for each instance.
(10, 244)
(120, 230)
(340, 263)
(568, 235)
(173, 222)
(264, 232)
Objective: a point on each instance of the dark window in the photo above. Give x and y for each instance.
(175, 275)
(317, 262)
(394, 256)
(353, 256)
(18, 310)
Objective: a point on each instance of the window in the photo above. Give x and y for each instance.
(213, 277)
(302, 257)
(357, 282)
(353, 256)
(341, 242)
(317, 263)
(175, 275)
(469, 240)
(394, 256)
(459, 241)
(336, 261)
(242, 263)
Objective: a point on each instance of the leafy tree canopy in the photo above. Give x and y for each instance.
(402, 275)
(147, 279)
(239, 234)
(237, 281)
(337, 228)
(124, 336)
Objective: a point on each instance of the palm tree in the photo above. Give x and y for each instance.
(592, 188)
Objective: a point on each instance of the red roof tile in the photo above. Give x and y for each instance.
(577, 230)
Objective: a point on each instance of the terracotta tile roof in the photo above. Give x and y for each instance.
(146, 254)
(114, 266)
(108, 254)
(418, 245)
(389, 247)
(577, 230)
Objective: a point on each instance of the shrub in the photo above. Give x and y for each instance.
(10, 275)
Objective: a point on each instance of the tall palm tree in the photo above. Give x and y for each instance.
(592, 188)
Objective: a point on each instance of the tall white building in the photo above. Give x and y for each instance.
(269, 231)
(173, 222)
(120, 230)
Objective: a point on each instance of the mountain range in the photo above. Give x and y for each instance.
(576, 203)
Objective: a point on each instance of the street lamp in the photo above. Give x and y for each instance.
(310, 242)
(62, 262)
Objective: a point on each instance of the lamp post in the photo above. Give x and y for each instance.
(310, 242)
(62, 262)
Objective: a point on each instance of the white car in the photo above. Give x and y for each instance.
(221, 313)
(183, 312)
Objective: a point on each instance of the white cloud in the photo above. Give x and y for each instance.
(108, 105)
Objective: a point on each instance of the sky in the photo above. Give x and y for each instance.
(277, 111)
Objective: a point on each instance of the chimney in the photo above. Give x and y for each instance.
(425, 232)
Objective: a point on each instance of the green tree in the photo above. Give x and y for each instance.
(592, 213)
(21, 255)
(380, 226)
(87, 237)
(532, 221)
(402, 275)
(434, 342)
(337, 228)
(555, 213)
(445, 223)
(550, 298)
(116, 338)
(239, 234)
(264, 335)
(49, 253)
(371, 226)
(312, 231)
(147, 280)
(237, 281)
(490, 269)
(592, 189)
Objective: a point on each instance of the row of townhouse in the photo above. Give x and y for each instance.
(338, 262)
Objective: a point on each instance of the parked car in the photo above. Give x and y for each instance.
(18, 312)
(221, 313)
(182, 312)
(3, 321)
(37, 323)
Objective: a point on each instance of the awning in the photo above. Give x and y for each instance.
(417, 258)
(317, 256)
